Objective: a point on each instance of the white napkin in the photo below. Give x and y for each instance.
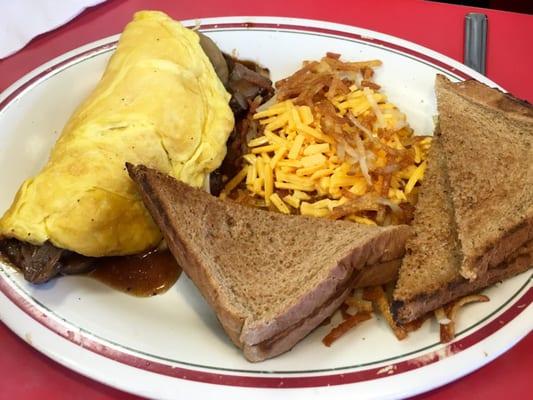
(22, 20)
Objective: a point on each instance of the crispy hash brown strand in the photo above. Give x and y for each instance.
(447, 326)
(305, 85)
(359, 304)
(363, 301)
(332, 146)
(345, 326)
(377, 295)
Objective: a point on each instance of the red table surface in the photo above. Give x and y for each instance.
(26, 374)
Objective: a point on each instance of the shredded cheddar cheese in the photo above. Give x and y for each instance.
(298, 165)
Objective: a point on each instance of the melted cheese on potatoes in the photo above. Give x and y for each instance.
(158, 103)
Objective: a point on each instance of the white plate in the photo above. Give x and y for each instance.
(172, 345)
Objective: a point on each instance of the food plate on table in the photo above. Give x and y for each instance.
(170, 345)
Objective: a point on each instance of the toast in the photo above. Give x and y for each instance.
(430, 274)
(487, 139)
(270, 278)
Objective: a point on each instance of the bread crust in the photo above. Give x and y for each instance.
(378, 274)
(487, 97)
(432, 259)
(161, 210)
(487, 137)
(407, 311)
(283, 343)
(345, 248)
(468, 235)
(380, 248)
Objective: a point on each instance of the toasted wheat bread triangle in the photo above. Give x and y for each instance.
(487, 137)
(430, 274)
(270, 278)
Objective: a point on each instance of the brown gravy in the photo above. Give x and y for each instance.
(140, 275)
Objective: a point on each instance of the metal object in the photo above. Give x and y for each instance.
(476, 41)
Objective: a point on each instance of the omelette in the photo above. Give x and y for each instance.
(158, 103)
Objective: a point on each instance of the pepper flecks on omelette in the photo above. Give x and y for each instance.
(159, 103)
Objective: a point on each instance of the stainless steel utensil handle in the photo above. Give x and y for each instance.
(476, 41)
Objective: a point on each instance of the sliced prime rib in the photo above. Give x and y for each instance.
(39, 264)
